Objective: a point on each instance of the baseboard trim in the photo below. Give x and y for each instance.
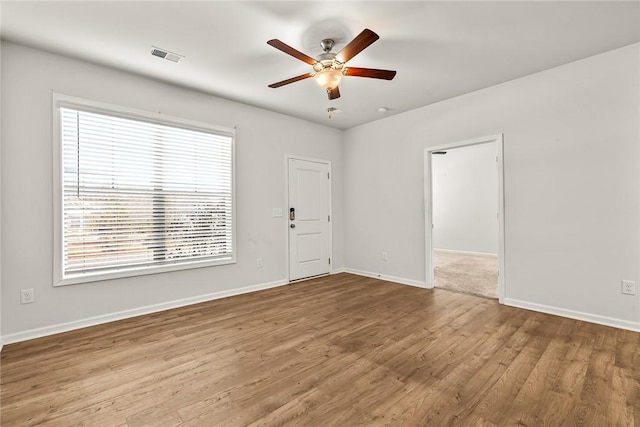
(337, 270)
(400, 280)
(453, 251)
(126, 314)
(577, 315)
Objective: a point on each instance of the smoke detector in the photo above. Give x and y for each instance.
(165, 54)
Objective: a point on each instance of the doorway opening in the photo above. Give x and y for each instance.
(465, 217)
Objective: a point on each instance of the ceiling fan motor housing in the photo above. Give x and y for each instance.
(327, 60)
(327, 45)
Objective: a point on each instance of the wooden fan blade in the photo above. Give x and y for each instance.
(370, 72)
(291, 51)
(333, 93)
(291, 80)
(357, 45)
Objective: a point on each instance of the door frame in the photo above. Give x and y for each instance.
(428, 197)
(288, 157)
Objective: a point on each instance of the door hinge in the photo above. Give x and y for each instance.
(329, 218)
(329, 260)
(328, 175)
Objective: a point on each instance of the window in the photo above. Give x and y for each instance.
(139, 193)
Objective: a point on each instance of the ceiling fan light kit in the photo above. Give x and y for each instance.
(328, 78)
(329, 68)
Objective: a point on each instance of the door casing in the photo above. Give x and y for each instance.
(428, 197)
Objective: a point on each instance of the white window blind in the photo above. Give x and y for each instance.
(138, 194)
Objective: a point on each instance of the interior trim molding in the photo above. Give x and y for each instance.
(498, 140)
(454, 251)
(395, 279)
(577, 315)
(140, 311)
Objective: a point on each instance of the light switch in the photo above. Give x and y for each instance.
(277, 212)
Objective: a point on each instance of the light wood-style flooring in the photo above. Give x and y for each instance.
(335, 351)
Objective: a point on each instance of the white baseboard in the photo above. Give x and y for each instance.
(577, 315)
(394, 279)
(97, 320)
(338, 270)
(126, 314)
(453, 251)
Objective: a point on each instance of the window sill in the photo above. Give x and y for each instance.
(139, 271)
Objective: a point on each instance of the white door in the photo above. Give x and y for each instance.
(309, 217)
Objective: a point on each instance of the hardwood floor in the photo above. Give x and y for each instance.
(335, 351)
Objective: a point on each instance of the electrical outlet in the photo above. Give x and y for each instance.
(27, 296)
(628, 287)
(259, 263)
(384, 256)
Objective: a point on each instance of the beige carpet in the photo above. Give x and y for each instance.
(471, 274)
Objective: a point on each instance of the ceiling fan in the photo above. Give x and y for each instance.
(329, 67)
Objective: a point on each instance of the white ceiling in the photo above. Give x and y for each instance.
(440, 49)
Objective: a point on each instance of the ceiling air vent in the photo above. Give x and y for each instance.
(159, 53)
(165, 54)
(172, 57)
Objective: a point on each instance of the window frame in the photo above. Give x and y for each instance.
(65, 101)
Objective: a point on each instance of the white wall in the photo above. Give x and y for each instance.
(571, 155)
(263, 139)
(572, 188)
(1, 296)
(465, 199)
